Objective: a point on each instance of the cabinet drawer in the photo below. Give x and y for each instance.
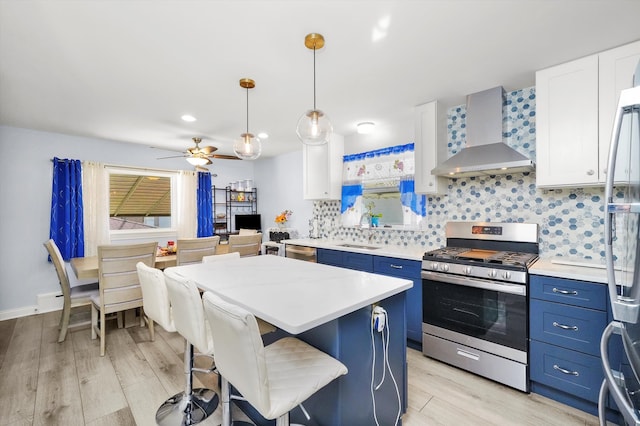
(345, 259)
(567, 326)
(402, 268)
(329, 257)
(569, 371)
(572, 292)
(358, 261)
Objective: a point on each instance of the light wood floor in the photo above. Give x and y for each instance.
(40, 381)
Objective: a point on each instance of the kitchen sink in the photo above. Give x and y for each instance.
(359, 246)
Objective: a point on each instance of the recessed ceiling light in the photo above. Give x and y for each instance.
(366, 127)
(189, 118)
(263, 135)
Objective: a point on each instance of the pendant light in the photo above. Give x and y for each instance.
(314, 127)
(248, 147)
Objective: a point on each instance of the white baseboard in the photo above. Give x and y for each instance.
(47, 302)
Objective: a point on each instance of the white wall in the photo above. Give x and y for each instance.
(25, 194)
(279, 182)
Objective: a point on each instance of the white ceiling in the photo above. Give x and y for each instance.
(127, 70)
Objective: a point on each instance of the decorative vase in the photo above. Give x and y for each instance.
(282, 225)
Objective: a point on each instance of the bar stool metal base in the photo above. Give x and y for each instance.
(173, 411)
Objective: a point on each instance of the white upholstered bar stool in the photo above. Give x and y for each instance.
(194, 405)
(273, 379)
(155, 299)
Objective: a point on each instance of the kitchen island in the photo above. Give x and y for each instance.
(331, 309)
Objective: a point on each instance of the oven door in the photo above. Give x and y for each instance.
(488, 310)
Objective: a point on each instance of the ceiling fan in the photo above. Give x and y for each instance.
(201, 156)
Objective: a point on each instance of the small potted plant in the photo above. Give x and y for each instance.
(375, 217)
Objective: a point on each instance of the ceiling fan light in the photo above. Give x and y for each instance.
(197, 161)
(247, 147)
(314, 128)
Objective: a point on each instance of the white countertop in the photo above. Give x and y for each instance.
(291, 294)
(400, 252)
(582, 270)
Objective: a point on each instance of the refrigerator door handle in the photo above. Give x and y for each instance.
(627, 411)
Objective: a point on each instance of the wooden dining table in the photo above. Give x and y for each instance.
(87, 267)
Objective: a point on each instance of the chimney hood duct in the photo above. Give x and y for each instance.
(485, 152)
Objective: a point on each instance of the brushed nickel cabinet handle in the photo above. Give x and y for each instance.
(571, 292)
(565, 371)
(565, 327)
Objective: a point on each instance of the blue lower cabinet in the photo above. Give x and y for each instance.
(409, 269)
(345, 259)
(571, 327)
(575, 373)
(391, 266)
(566, 321)
(330, 257)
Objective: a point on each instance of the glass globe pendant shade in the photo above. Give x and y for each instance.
(314, 128)
(247, 147)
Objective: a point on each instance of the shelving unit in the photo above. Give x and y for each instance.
(229, 202)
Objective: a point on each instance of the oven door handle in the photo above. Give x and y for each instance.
(517, 289)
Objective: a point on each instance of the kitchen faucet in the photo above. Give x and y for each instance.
(369, 225)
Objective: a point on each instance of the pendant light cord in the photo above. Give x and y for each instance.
(247, 110)
(314, 76)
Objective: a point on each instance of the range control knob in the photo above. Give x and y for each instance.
(444, 267)
(467, 270)
(506, 275)
(434, 266)
(492, 273)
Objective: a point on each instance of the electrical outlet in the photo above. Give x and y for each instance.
(378, 317)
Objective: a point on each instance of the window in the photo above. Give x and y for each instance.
(141, 201)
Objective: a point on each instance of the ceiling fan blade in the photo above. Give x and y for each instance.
(225, 157)
(208, 149)
(172, 156)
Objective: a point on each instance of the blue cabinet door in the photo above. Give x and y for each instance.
(409, 269)
(358, 261)
(573, 372)
(330, 257)
(571, 327)
(345, 259)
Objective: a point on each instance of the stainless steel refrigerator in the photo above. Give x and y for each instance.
(622, 248)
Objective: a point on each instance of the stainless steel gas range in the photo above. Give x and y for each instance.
(474, 293)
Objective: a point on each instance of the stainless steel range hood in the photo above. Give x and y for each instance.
(485, 152)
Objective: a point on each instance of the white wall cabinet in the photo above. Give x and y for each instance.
(322, 170)
(430, 143)
(575, 108)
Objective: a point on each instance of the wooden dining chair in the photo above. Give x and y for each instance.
(220, 257)
(119, 283)
(191, 250)
(73, 296)
(246, 245)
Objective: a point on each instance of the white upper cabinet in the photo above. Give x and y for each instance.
(322, 170)
(430, 140)
(576, 104)
(616, 74)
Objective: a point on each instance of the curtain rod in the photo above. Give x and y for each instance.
(146, 169)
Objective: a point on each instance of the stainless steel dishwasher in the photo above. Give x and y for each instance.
(305, 253)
